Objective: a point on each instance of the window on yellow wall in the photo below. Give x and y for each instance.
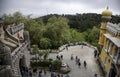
(115, 53)
(110, 50)
(105, 42)
(108, 45)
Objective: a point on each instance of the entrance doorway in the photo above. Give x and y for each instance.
(113, 71)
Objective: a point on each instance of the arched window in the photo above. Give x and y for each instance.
(115, 53)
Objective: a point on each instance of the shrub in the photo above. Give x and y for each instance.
(56, 64)
(42, 63)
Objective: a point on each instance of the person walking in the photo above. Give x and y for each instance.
(67, 75)
(52, 74)
(61, 56)
(67, 48)
(95, 53)
(30, 73)
(79, 63)
(40, 73)
(44, 72)
(71, 56)
(50, 67)
(76, 59)
(85, 64)
(95, 75)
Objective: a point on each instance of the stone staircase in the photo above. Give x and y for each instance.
(8, 43)
(16, 69)
(12, 41)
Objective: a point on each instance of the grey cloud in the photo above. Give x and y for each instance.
(43, 7)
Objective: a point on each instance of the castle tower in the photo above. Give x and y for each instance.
(106, 16)
(110, 45)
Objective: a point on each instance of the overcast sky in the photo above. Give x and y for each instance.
(43, 7)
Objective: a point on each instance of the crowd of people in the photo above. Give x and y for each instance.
(27, 72)
(78, 62)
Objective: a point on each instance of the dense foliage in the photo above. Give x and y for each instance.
(82, 22)
(52, 31)
(56, 64)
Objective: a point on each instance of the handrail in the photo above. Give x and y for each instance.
(18, 50)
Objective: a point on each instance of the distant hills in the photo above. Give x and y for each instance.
(82, 22)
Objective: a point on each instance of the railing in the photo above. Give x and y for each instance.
(18, 50)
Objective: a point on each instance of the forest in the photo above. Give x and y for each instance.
(52, 31)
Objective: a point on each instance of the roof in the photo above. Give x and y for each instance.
(115, 40)
(107, 12)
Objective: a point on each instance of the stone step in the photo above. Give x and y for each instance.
(10, 40)
(9, 43)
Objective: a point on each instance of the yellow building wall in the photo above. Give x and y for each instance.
(105, 42)
(103, 25)
(103, 55)
(113, 50)
(102, 32)
(101, 40)
(108, 62)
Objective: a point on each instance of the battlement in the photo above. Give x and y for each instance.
(15, 28)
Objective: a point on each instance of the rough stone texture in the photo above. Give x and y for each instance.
(5, 71)
(10, 66)
(6, 53)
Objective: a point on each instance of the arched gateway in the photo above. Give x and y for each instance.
(14, 50)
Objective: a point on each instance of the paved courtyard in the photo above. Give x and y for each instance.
(86, 53)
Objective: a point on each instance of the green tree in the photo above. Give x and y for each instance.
(57, 30)
(40, 53)
(56, 64)
(45, 43)
(35, 51)
(76, 36)
(46, 53)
